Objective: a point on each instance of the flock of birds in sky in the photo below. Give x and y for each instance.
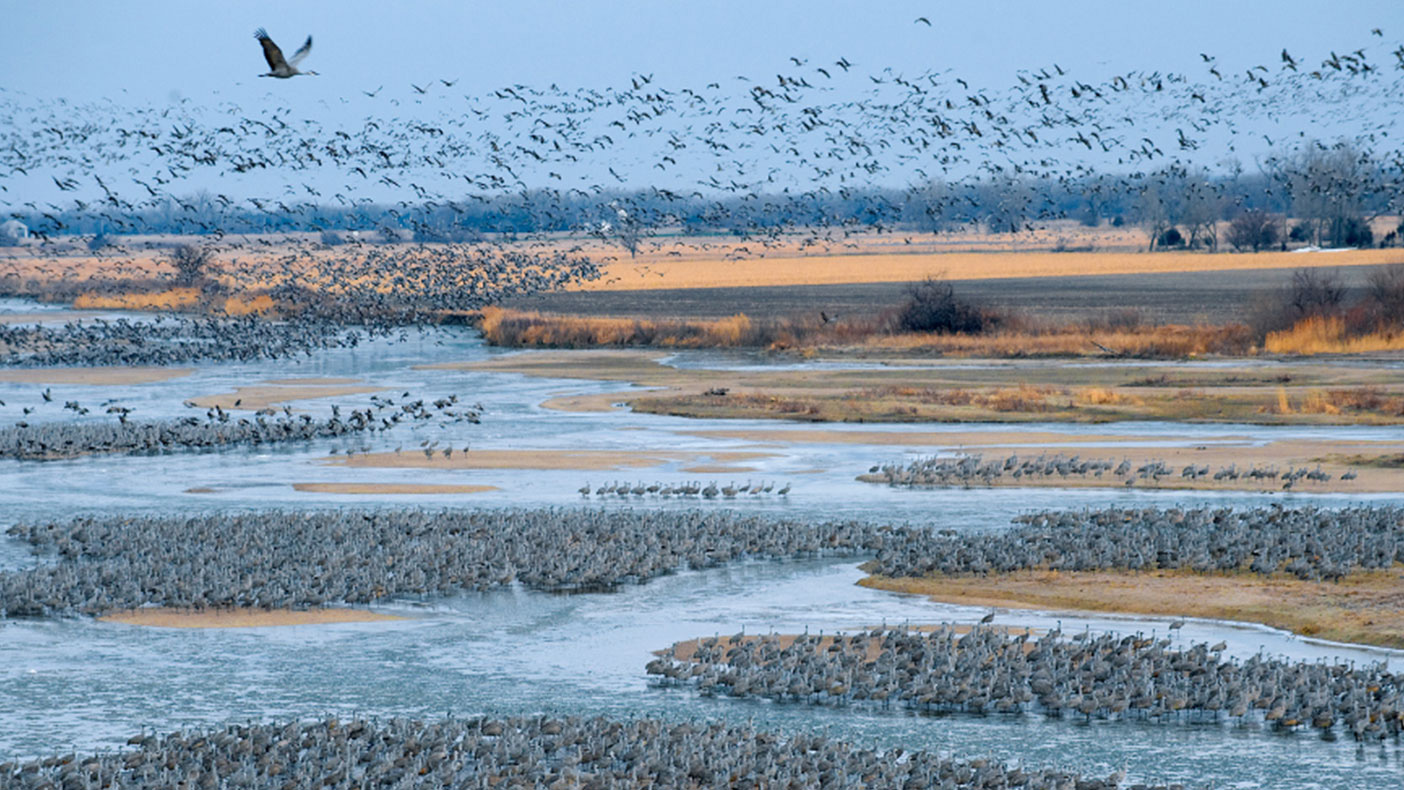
(811, 130)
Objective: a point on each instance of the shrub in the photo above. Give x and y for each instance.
(331, 238)
(1171, 237)
(1353, 232)
(99, 242)
(932, 306)
(1252, 229)
(1301, 232)
(1118, 221)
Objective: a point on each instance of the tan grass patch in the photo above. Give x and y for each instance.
(1327, 335)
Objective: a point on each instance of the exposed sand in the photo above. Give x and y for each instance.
(111, 376)
(713, 469)
(602, 401)
(588, 460)
(270, 395)
(162, 617)
(1365, 607)
(390, 488)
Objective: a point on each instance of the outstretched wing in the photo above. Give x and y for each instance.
(301, 52)
(271, 53)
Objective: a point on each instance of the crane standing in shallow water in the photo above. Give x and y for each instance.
(277, 66)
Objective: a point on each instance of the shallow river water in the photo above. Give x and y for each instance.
(87, 685)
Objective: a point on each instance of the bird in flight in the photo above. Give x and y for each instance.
(923, 20)
(277, 66)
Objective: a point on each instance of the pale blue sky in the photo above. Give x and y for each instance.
(85, 49)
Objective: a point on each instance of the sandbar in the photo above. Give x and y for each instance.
(534, 459)
(104, 376)
(390, 488)
(261, 396)
(1366, 607)
(163, 617)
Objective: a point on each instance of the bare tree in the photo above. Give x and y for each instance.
(190, 262)
(1200, 208)
(1153, 212)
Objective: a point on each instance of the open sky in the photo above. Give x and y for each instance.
(85, 49)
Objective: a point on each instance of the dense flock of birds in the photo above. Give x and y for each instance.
(298, 559)
(969, 470)
(280, 559)
(690, 488)
(1307, 542)
(989, 670)
(540, 751)
(51, 440)
(166, 340)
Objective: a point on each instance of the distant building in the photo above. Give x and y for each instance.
(13, 231)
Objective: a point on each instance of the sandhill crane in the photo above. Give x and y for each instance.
(277, 66)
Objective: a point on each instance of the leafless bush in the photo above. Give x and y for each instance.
(1314, 292)
(932, 306)
(1385, 295)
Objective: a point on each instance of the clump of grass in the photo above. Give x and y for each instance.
(1100, 396)
(1321, 334)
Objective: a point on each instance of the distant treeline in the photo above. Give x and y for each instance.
(1327, 187)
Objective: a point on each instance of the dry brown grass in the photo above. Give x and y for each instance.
(1328, 335)
(526, 329)
(1356, 400)
(1367, 607)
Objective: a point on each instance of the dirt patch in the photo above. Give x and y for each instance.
(585, 460)
(390, 488)
(1364, 608)
(113, 376)
(162, 617)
